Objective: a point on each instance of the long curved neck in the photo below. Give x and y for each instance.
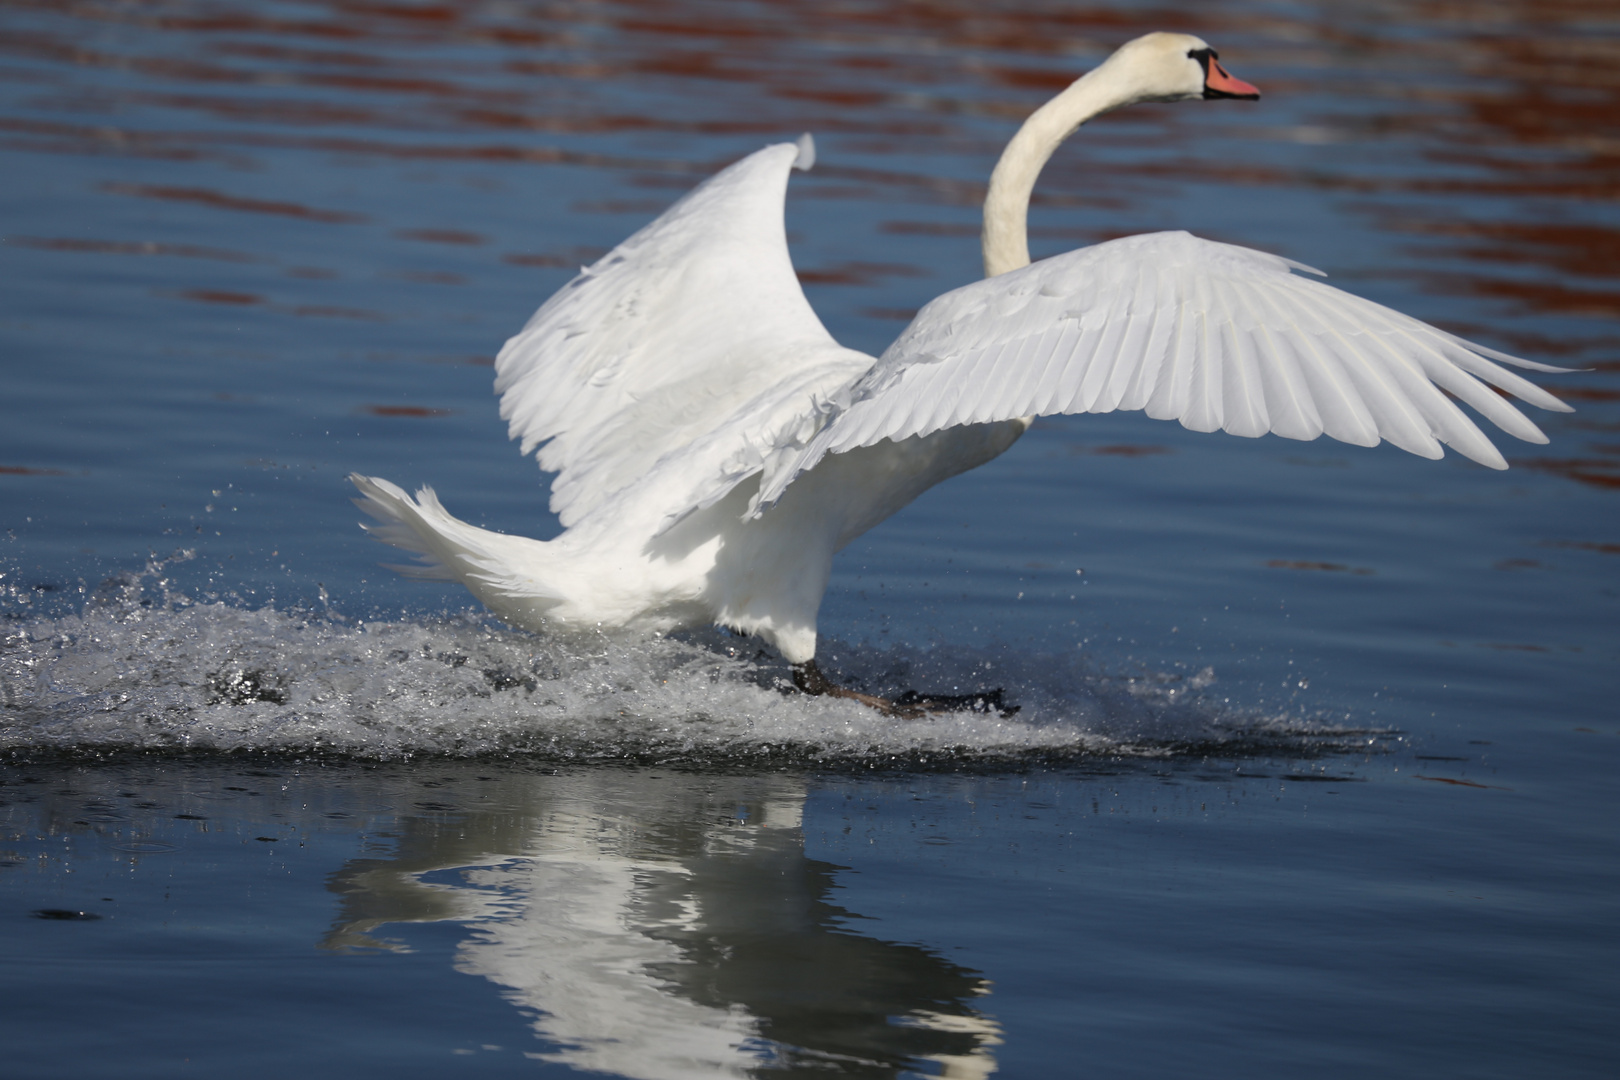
(1006, 207)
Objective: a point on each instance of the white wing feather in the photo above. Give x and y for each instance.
(694, 327)
(1215, 336)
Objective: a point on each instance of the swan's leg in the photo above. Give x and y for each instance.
(808, 677)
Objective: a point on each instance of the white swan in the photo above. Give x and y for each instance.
(714, 446)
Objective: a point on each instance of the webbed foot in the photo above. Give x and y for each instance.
(809, 679)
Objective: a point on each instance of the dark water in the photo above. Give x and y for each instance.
(1207, 919)
(1316, 762)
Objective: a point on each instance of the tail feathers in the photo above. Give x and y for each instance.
(449, 549)
(394, 510)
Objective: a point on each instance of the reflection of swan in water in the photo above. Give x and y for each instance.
(670, 927)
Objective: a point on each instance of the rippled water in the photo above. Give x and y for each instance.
(1313, 765)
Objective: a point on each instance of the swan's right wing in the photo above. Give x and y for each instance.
(1215, 336)
(667, 339)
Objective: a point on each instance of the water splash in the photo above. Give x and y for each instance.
(144, 667)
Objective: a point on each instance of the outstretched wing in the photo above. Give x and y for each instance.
(1212, 335)
(665, 338)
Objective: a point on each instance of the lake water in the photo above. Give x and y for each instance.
(1315, 765)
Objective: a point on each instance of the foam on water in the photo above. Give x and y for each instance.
(144, 667)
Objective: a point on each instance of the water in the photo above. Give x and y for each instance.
(1203, 917)
(1314, 762)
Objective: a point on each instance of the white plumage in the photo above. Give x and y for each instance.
(714, 446)
(1215, 336)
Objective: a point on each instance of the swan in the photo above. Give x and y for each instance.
(714, 446)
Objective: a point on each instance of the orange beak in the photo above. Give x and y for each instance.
(1218, 84)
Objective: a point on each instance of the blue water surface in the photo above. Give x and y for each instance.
(1315, 762)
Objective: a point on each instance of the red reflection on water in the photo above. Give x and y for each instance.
(261, 111)
(1585, 545)
(1597, 472)
(117, 247)
(1517, 101)
(403, 410)
(430, 277)
(930, 228)
(858, 273)
(1590, 249)
(24, 470)
(222, 296)
(1123, 450)
(1541, 296)
(1571, 251)
(1585, 393)
(222, 201)
(442, 236)
(1335, 568)
(903, 315)
(516, 259)
(1130, 450)
(650, 207)
(1537, 115)
(58, 138)
(1541, 346)
(225, 20)
(569, 260)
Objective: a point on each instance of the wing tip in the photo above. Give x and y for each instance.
(806, 160)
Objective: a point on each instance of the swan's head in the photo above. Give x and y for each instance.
(1170, 67)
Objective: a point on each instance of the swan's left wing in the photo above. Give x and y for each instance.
(695, 325)
(1212, 335)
